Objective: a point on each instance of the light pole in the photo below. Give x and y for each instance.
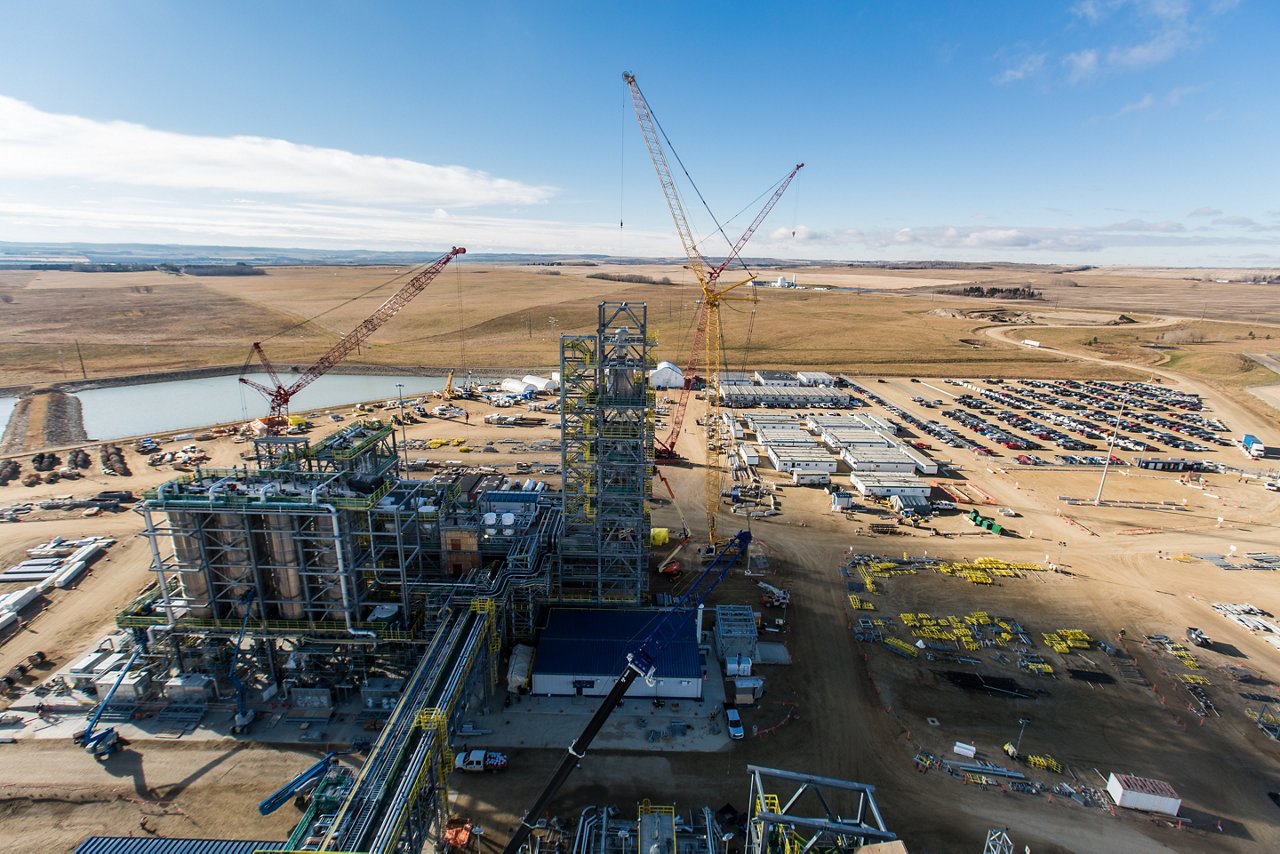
(1106, 464)
(404, 436)
(1023, 720)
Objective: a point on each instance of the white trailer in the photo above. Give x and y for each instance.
(1143, 793)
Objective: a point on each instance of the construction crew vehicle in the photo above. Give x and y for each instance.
(480, 760)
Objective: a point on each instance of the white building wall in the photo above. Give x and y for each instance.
(561, 685)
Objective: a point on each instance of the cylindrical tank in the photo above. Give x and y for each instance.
(282, 539)
(191, 570)
(232, 561)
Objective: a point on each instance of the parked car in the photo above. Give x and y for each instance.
(734, 721)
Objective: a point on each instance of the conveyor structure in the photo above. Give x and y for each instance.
(399, 794)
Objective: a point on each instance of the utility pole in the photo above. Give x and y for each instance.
(1106, 465)
(404, 437)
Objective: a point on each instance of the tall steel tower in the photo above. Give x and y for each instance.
(606, 422)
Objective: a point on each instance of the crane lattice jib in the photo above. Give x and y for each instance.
(659, 157)
(751, 229)
(281, 394)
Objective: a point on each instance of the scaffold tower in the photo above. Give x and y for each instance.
(606, 419)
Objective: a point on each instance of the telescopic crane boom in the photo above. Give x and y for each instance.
(279, 395)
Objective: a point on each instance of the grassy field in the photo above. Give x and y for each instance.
(489, 316)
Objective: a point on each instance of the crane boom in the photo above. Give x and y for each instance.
(760, 217)
(706, 341)
(641, 661)
(649, 129)
(280, 395)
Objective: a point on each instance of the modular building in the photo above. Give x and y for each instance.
(845, 435)
(924, 465)
(783, 378)
(1143, 793)
(582, 651)
(869, 458)
(735, 378)
(773, 435)
(787, 458)
(887, 485)
(810, 478)
(811, 378)
(750, 454)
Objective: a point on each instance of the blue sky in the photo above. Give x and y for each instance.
(1100, 131)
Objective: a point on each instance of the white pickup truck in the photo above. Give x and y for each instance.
(480, 760)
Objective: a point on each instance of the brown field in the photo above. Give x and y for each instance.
(863, 713)
(495, 316)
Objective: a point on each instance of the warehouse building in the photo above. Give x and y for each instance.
(582, 651)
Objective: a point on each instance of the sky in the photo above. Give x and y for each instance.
(1138, 132)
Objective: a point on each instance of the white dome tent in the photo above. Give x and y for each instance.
(666, 375)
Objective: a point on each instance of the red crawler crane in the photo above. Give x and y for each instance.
(279, 396)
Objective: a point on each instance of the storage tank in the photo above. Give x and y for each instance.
(508, 524)
(282, 540)
(186, 549)
(490, 524)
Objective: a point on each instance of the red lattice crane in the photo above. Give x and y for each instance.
(279, 395)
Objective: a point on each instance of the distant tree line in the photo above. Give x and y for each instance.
(238, 269)
(632, 278)
(994, 293)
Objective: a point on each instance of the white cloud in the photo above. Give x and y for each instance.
(40, 146)
(1027, 67)
(1205, 211)
(1143, 103)
(1161, 47)
(1239, 221)
(1176, 94)
(1081, 65)
(1143, 225)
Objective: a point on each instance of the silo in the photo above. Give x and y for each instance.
(233, 565)
(191, 568)
(282, 540)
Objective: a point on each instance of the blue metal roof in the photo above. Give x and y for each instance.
(152, 845)
(595, 642)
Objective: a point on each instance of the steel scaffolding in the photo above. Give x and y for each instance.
(606, 421)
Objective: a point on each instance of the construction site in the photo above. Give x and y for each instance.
(665, 608)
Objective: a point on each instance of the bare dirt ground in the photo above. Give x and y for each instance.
(852, 711)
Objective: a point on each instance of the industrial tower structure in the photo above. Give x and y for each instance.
(606, 423)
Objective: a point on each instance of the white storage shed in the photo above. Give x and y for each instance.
(515, 386)
(542, 383)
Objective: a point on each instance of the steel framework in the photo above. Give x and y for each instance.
(849, 816)
(606, 421)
